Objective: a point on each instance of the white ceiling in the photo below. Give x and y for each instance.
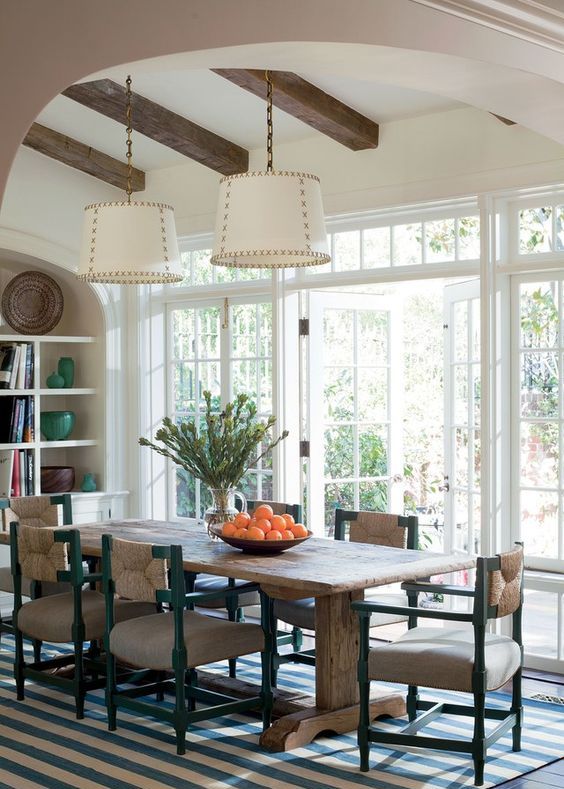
(232, 112)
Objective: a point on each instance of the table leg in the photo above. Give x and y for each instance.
(336, 685)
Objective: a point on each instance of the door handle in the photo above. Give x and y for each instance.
(445, 487)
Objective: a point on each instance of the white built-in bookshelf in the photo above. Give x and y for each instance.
(84, 448)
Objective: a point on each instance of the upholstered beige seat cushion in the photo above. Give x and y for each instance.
(47, 587)
(148, 642)
(301, 613)
(436, 657)
(215, 583)
(50, 618)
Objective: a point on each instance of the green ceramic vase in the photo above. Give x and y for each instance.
(88, 483)
(55, 381)
(56, 425)
(66, 369)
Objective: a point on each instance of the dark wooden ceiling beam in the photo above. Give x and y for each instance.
(311, 105)
(162, 125)
(82, 157)
(507, 121)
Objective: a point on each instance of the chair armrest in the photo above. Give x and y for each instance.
(425, 586)
(193, 598)
(366, 608)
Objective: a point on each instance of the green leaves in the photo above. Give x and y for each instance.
(223, 447)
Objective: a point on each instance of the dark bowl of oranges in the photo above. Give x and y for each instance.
(261, 531)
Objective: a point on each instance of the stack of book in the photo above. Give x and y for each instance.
(16, 365)
(17, 425)
(17, 470)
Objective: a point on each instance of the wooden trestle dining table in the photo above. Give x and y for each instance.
(333, 572)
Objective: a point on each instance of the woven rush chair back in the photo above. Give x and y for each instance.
(279, 508)
(136, 574)
(377, 528)
(499, 584)
(40, 556)
(38, 511)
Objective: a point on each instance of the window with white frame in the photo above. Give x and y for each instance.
(413, 242)
(197, 270)
(538, 362)
(225, 349)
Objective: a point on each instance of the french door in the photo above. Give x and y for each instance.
(461, 482)
(353, 406)
(537, 469)
(224, 347)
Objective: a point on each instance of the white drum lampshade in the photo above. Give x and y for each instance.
(129, 243)
(271, 219)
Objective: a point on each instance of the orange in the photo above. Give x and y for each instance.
(241, 520)
(228, 529)
(289, 520)
(241, 534)
(278, 522)
(274, 534)
(264, 525)
(254, 533)
(264, 511)
(287, 534)
(252, 522)
(299, 530)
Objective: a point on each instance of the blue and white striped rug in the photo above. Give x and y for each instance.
(43, 745)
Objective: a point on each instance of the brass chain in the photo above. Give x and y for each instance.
(128, 130)
(269, 129)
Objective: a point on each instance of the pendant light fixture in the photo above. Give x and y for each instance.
(270, 219)
(129, 242)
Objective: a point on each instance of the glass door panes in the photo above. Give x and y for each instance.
(195, 368)
(251, 372)
(462, 412)
(350, 409)
(225, 351)
(540, 422)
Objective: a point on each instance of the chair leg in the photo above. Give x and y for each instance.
(19, 665)
(180, 717)
(192, 682)
(297, 639)
(411, 702)
(266, 689)
(159, 695)
(232, 616)
(363, 725)
(37, 650)
(79, 689)
(479, 738)
(111, 690)
(517, 709)
(274, 653)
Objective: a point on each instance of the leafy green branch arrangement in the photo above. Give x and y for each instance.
(224, 447)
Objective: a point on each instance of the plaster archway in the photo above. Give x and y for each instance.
(45, 49)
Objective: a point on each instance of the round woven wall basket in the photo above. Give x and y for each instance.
(32, 303)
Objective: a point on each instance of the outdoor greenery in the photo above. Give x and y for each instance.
(217, 448)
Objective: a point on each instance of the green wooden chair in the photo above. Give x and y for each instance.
(236, 603)
(176, 641)
(466, 660)
(45, 555)
(39, 511)
(375, 528)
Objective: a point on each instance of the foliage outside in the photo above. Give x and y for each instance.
(217, 448)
